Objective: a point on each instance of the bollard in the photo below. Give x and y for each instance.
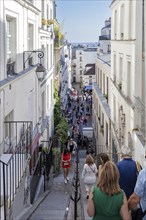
(76, 185)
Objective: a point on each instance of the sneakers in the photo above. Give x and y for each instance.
(65, 181)
(67, 178)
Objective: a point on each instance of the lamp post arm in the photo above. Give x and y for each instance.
(40, 56)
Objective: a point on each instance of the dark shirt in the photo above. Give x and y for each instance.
(128, 175)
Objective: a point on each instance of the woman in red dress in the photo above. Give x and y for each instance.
(66, 157)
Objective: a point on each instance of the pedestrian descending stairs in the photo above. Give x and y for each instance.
(57, 204)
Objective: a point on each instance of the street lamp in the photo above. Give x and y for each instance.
(40, 70)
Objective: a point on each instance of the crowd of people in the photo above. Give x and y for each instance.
(112, 190)
(120, 188)
(78, 114)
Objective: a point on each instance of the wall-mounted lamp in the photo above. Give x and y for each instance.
(40, 70)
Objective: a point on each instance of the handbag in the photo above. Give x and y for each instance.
(66, 163)
(137, 214)
(96, 174)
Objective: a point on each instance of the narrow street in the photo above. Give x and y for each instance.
(57, 204)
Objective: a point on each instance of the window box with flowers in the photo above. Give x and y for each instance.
(44, 21)
(50, 21)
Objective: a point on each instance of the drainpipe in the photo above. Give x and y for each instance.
(143, 120)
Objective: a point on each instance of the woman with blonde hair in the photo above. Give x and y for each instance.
(89, 174)
(103, 159)
(108, 201)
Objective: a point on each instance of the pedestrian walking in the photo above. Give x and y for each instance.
(103, 159)
(90, 150)
(128, 171)
(85, 121)
(108, 201)
(72, 146)
(66, 157)
(89, 174)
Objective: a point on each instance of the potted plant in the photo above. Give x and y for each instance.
(50, 21)
(44, 21)
(56, 160)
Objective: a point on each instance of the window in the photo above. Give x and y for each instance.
(30, 42)
(100, 80)
(122, 22)
(43, 104)
(114, 109)
(120, 69)
(114, 60)
(9, 127)
(48, 97)
(80, 72)
(115, 24)
(129, 80)
(11, 36)
(30, 37)
(11, 41)
(104, 83)
(81, 59)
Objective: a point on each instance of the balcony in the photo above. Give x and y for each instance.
(104, 37)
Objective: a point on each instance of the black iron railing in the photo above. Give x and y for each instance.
(76, 184)
(42, 168)
(13, 164)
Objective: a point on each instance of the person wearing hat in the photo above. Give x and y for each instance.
(128, 171)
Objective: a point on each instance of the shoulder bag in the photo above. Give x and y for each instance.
(138, 214)
(93, 171)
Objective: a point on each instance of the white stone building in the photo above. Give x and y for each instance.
(25, 100)
(104, 44)
(89, 76)
(100, 107)
(65, 73)
(81, 57)
(128, 96)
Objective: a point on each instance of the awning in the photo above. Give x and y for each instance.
(88, 87)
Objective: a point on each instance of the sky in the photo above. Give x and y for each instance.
(82, 20)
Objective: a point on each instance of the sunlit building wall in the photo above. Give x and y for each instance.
(128, 76)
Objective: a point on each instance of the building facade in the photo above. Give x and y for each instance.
(128, 76)
(80, 58)
(26, 102)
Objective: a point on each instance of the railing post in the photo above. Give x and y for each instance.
(76, 185)
(5, 209)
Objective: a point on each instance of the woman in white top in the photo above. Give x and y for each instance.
(89, 174)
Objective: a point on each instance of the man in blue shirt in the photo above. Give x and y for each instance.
(128, 171)
(139, 195)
